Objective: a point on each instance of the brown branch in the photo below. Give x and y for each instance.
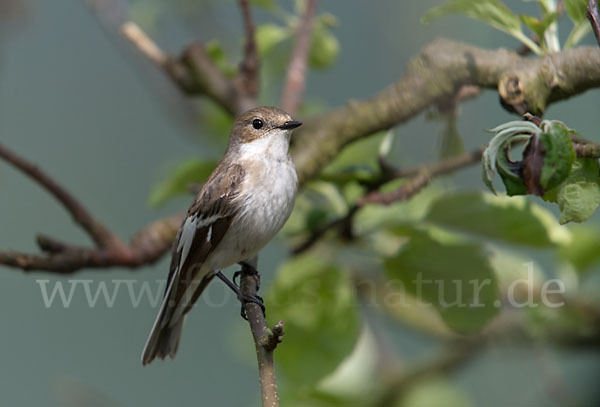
(265, 339)
(146, 247)
(594, 16)
(193, 71)
(248, 77)
(291, 97)
(524, 84)
(99, 234)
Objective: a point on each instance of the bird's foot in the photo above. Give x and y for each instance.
(243, 298)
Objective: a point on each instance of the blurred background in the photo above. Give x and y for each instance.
(77, 99)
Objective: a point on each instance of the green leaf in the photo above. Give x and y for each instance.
(456, 278)
(268, 36)
(539, 27)
(356, 161)
(514, 220)
(266, 4)
(559, 155)
(492, 12)
(324, 48)
(315, 299)
(576, 9)
(579, 196)
(216, 52)
(434, 391)
(510, 173)
(584, 250)
(185, 174)
(579, 31)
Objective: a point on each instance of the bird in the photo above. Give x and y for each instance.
(243, 204)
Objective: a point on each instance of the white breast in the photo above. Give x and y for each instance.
(267, 198)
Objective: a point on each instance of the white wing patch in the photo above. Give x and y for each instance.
(188, 232)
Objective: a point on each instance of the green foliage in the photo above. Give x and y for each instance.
(512, 220)
(455, 277)
(557, 154)
(537, 26)
(576, 9)
(324, 48)
(269, 35)
(435, 392)
(584, 250)
(315, 299)
(498, 15)
(492, 12)
(549, 167)
(505, 135)
(216, 52)
(357, 161)
(579, 196)
(186, 173)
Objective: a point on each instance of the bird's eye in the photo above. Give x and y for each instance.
(257, 123)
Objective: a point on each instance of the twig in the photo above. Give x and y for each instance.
(594, 16)
(101, 236)
(293, 89)
(193, 72)
(250, 65)
(265, 339)
(144, 43)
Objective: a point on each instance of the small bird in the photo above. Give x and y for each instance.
(243, 204)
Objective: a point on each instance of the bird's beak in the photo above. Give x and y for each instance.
(290, 125)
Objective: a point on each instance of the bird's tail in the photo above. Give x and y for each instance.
(163, 340)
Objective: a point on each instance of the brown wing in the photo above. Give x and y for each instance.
(205, 225)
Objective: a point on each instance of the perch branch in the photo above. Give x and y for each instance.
(295, 80)
(265, 339)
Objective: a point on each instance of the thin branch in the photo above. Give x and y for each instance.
(594, 16)
(144, 43)
(99, 234)
(293, 89)
(250, 66)
(265, 339)
(193, 72)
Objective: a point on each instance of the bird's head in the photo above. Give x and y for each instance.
(261, 123)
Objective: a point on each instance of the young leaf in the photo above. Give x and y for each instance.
(514, 220)
(576, 9)
(324, 48)
(268, 36)
(456, 278)
(539, 27)
(579, 196)
(316, 301)
(492, 12)
(186, 173)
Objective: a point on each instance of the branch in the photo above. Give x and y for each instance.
(594, 16)
(291, 96)
(193, 71)
(524, 84)
(248, 77)
(99, 234)
(265, 339)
